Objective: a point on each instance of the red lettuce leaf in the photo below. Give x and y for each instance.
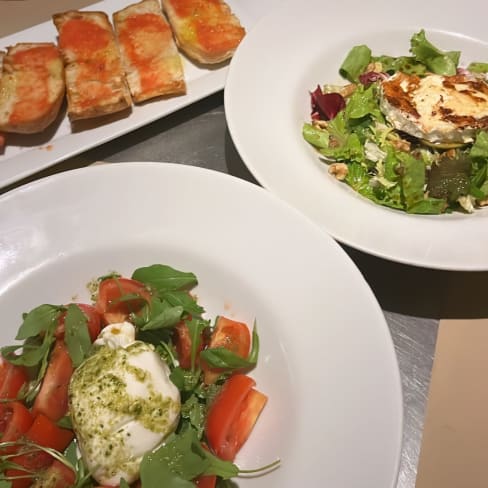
(326, 106)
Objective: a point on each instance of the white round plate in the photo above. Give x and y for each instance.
(327, 362)
(301, 45)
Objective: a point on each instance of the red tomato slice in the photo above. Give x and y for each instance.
(58, 475)
(183, 343)
(12, 379)
(110, 302)
(52, 399)
(94, 321)
(15, 421)
(232, 335)
(232, 416)
(205, 481)
(43, 432)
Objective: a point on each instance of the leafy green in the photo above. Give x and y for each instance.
(405, 64)
(222, 358)
(196, 327)
(163, 278)
(437, 61)
(478, 67)
(180, 460)
(162, 315)
(479, 149)
(355, 63)
(40, 319)
(76, 334)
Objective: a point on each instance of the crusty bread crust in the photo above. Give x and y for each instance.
(149, 54)
(206, 30)
(95, 79)
(31, 87)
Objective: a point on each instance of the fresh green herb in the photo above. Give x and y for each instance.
(76, 334)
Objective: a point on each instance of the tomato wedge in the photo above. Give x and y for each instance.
(112, 302)
(94, 321)
(58, 475)
(43, 432)
(15, 421)
(12, 379)
(52, 399)
(206, 481)
(232, 335)
(232, 416)
(182, 341)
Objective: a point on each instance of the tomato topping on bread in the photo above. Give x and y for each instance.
(206, 30)
(95, 79)
(150, 57)
(31, 87)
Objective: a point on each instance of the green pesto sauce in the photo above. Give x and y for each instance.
(98, 387)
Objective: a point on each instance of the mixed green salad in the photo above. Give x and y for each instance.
(355, 136)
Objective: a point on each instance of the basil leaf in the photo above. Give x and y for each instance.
(164, 278)
(40, 319)
(76, 335)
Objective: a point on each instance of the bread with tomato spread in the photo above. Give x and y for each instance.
(150, 58)
(31, 87)
(95, 80)
(206, 30)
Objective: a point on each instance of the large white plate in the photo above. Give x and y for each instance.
(303, 44)
(327, 362)
(26, 155)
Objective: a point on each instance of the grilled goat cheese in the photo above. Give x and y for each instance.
(436, 108)
(122, 405)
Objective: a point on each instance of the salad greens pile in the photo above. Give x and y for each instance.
(383, 164)
(182, 457)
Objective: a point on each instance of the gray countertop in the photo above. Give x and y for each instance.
(413, 299)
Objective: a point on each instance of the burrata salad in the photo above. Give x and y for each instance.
(407, 132)
(136, 388)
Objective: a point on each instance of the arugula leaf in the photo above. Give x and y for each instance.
(164, 278)
(182, 298)
(40, 319)
(196, 327)
(437, 61)
(123, 483)
(194, 411)
(174, 462)
(184, 379)
(65, 422)
(162, 315)
(76, 335)
(355, 63)
(222, 358)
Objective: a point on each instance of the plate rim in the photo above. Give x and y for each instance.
(253, 161)
(45, 183)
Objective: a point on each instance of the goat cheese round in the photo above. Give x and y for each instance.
(122, 405)
(439, 109)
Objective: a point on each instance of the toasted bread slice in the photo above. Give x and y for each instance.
(150, 57)
(206, 30)
(95, 79)
(31, 87)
